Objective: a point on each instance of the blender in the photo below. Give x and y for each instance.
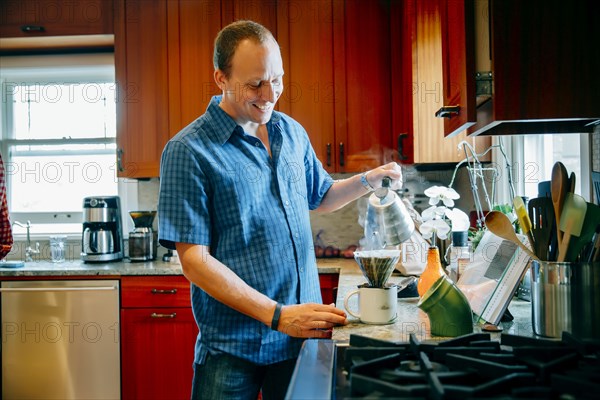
(143, 240)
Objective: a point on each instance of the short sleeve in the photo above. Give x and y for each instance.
(183, 208)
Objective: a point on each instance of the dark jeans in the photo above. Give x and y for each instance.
(223, 376)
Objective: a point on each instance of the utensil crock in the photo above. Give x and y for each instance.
(565, 297)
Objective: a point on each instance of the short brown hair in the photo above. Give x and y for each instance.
(230, 37)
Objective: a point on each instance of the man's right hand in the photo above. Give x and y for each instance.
(310, 320)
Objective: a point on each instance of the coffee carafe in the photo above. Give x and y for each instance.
(388, 222)
(143, 240)
(102, 238)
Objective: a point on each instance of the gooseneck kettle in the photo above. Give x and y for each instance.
(388, 222)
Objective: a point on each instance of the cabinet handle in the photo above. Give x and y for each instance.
(163, 291)
(328, 152)
(401, 138)
(447, 112)
(120, 160)
(32, 28)
(156, 315)
(341, 154)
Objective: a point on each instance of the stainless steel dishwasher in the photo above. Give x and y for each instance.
(60, 339)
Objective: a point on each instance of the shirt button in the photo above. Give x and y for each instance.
(301, 269)
(297, 235)
(257, 144)
(287, 203)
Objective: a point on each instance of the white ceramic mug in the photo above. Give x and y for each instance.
(377, 306)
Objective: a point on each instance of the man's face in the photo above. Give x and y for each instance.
(255, 83)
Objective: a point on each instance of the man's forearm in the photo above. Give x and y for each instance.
(344, 191)
(223, 284)
(341, 193)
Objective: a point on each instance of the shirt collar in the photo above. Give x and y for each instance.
(223, 126)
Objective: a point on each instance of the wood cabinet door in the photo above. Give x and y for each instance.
(31, 18)
(362, 67)
(423, 25)
(305, 36)
(546, 60)
(142, 71)
(458, 65)
(193, 25)
(157, 353)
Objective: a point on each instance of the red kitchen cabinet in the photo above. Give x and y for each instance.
(329, 285)
(142, 39)
(44, 18)
(158, 334)
(336, 80)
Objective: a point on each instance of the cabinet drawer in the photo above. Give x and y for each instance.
(155, 291)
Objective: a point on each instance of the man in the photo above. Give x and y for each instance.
(236, 188)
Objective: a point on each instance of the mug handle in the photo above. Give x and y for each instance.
(352, 293)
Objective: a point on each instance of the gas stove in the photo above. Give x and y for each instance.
(467, 367)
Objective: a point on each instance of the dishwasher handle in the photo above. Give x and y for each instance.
(59, 289)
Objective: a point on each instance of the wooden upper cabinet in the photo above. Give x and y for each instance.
(545, 61)
(193, 25)
(419, 79)
(362, 65)
(305, 36)
(35, 18)
(142, 72)
(458, 65)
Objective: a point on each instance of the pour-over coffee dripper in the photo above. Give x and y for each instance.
(143, 240)
(142, 219)
(377, 265)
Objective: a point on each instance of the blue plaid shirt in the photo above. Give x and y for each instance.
(220, 188)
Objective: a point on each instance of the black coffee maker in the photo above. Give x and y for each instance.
(102, 239)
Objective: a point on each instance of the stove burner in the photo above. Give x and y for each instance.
(473, 366)
(414, 366)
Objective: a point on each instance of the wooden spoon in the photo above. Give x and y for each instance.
(560, 183)
(500, 225)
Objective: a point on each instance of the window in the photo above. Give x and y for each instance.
(542, 151)
(58, 137)
(532, 158)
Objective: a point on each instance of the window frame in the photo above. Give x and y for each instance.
(58, 69)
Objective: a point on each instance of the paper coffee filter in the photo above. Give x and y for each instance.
(377, 265)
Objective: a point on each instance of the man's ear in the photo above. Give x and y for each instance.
(220, 78)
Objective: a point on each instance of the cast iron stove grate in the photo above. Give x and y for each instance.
(474, 366)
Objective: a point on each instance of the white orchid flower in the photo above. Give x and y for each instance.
(460, 220)
(439, 226)
(433, 212)
(445, 194)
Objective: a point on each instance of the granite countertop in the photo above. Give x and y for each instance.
(410, 319)
(79, 268)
